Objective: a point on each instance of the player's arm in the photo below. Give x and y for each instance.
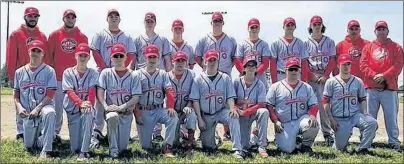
(16, 94)
(397, 63)
(272, 62)
(168, 62)
(11, 56)
(327, 95)
(238, 59)
(191, 62)
(362, 96)
(265, 60)
(95, 49)
(230, 93)
(199, 51)
(50, 90)
(260, 102)
(167, 54)
(101, 96)
(169, 91)
(331, 61)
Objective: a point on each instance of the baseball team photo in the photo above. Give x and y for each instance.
(202, 82)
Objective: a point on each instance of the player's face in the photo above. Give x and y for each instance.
(250, 68)
(254, 29)
(118, 60)
(180, 64)
(292, 72)
(317, 27)
(113, 19)
(149, 23)
(354, 31)
(82, 58)
(31, 20)
(177, 30)
(70, 21)
(345, 68)
(152, 60)
(212, 63)
(289, 28)
(381, 32)
(36, 54)
(217, 23)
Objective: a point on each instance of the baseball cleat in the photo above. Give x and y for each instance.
(83, 156)
(238, 154)
(44, 155)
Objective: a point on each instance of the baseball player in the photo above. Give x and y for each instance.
(293, 110)
(156, 86)
(352, 45)
(181, 79)
(254, 46)
(382, 62)
(345, 103)
(119, 90)
(285, 47)
(213, 99)
(17, 54)
(250, 93)
(321, 51)
(79, 87)
(178, 44)
(34, 86)
(151, 37)
(101, 46)
(62, 44)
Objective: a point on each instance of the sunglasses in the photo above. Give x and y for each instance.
(180, 60)
(294, 69)
(36, 50)
(254, 27)
(217, 21)
(118, 56)
(354, 29)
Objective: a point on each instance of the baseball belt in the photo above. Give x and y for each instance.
(150, 107)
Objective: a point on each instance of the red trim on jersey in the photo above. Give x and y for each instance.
(330, 67)
(115, 32)
(272, 114)
(253, 109)
(98, 59)
(272, 69)
(50, 92)
(288, 40)
(305, 70)
(73, 97)
(16, 94)
(91, 95)
(129, 58)
(254, 41)
(170, 97)
(121, 73)
(313, 110)
(178, 44)
(219, 36)
(264, 65)
(292, 85)
(80, 73)
(238, 62)
(325, 100)
(33, 69)
(178, 76)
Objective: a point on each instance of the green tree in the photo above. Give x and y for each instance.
(3, 76)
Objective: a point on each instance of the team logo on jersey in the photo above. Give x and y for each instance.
(68, 45)
(224, 55)
(29, 39)
(302, 106)
(158, 94)
(220, 100)
(127, 98)
(353, 101)
(379, 53)
(26, 84)
(40, 90)
(289, 101)
(355, 52)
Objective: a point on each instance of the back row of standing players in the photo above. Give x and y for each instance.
(317, 55)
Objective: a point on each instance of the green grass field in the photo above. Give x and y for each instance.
(14, 151)
(6, 91)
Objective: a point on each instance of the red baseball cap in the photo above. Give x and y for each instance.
(316, 19)
(150, 15)
(118, 49)
(381, 24)
(253, 22)
(210, 54)
(217, 15)
(289, 20)
(31, 10)
(249, 58)
(177, 23)
(180, 55)
(113, 11)
(36, 44)
(69, 11)
(344, 58)
(82, 48)
(292, 62)
(151, 50)
(353, 23)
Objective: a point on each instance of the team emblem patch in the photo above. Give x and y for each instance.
(68, 45)
(302, 106)
(158, 94)
(224, 55)
(379, 53)
(353, 101)
(220, 100)
(30, 39)
(40, 91)
(354, 52)
(127, 98)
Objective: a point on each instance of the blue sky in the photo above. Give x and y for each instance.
(91, 17)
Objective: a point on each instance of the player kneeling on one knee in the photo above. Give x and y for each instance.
(78, 83)
(345, 103)
(212, 95)
(250, 91)
(155, 83)
(182, 78)
(34, 87)
(293, 109)
(118, 91)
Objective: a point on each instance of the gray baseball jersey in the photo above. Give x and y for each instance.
(185, 47)
(290, 103)
(153, 86)
(80, 85)
(247, 97)
(320, 53)
(344, 97)
(143, 41)
(182, 88)
(226, 46)
(104, 40)
(281, 50)
(212, 95)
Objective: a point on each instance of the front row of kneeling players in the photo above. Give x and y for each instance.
(208, 99)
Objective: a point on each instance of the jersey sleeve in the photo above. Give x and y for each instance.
(16, 84)
(138, 47)
(311, 97)
(166, 47)
(265, 50)
(303, 50)
(136, 86)
(102, 80)
(270, 98)
(94, 78)
(332, 48)
(261, 92)
(240, 51)
(166, 83)
(328, 89)
(361, 93)
(273, 51)
(230, 93)
(234, 48)
(96, 42)
(200, 46)
(51, 79)
(195, 92)
(131, 46)
(191, 55)
(67, 81)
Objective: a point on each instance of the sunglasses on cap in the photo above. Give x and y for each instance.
(118, 56)
(36, 50)
(293, 69)
(254, 27)
(217, 21)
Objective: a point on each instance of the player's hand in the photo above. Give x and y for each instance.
(23, 113)
(334, 124)
(322, 80)
(313, 121)
(278, 127)
(201, 124)
(86, 104)
(233, 113)
(379, 78)
(34, 113)
(111, 108)
(187, 110)
(171, 112)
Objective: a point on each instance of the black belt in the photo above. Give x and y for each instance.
(208, 114)
(151, 107)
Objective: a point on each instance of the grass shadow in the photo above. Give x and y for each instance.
(322, 155)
